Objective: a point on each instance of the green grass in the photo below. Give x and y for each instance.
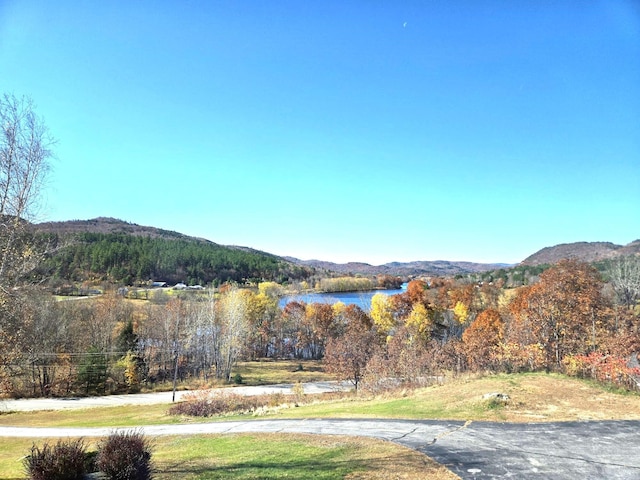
(225, 457)
(416, 405)
(262, 456)
(125, 416)
(12, 451)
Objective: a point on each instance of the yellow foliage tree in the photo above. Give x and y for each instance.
(419, 321)
(131, 370)
(461, 312)
(270, 289)
(382, 313)
(338, 308)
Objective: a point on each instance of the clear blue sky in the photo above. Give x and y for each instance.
(340, 130)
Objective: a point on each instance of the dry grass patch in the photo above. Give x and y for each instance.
(387, 461)
(258, 372)
(532, 397)
(537, 397)
(269, 372)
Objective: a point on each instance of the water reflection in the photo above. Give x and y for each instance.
(361, 299)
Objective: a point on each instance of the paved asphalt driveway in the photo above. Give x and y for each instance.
(473, 450)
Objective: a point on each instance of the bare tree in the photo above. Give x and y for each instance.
(347, 356)
(25, 149)
(24, 153)
(625, 279)
(45, 340)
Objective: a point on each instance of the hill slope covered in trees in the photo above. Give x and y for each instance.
(583, 251)
(106, 249)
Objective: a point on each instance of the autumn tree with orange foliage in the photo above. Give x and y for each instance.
(317, 327)
(416, 290)
(482, 340)
(564, 313)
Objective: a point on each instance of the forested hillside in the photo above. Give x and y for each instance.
(128, 259)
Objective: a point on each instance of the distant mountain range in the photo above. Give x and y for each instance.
(437, 268)
(585, 251)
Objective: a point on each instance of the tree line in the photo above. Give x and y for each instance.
(569, 321)
(110, 344)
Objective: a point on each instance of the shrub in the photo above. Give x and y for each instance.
(237, 379)
(66, 460)
(125, 456)
(495, 401)
(209, 403)
(606, 369)
(298, 392)
(272, 400)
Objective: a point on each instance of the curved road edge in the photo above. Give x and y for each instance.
(472, 450)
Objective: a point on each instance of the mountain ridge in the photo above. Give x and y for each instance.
(584, 251)
(109, 225)
(401, 269)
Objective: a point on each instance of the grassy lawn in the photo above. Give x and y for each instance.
(272, 456)
(276, 456)
(12, 450)
(533, 397)
(125, 416)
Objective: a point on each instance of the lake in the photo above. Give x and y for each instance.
(361, 299)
